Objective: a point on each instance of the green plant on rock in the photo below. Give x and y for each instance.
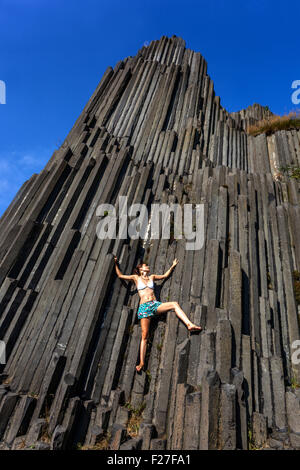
(293, 171)
(128, 405)
(294, 382)
(252, 445)
(149, 376)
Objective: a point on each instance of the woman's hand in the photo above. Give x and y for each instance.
(115, 259)
(175, 262)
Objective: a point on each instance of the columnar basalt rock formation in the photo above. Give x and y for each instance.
(155, 131)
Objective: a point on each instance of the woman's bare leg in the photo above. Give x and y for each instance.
(145, 325)
(165, 306)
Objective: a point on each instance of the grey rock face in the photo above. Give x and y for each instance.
(155, 131)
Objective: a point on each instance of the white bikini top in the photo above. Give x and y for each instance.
(142, 285)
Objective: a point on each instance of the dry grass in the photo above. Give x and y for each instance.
(102, 444)
(255, 447)
(252, 445)
(21, 444)
(45, 436)
(135, 419)
(276, 123)
(133, 425)
(7, 381)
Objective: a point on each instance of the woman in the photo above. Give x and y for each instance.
(149, 306)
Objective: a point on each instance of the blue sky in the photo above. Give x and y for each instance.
(54, 53)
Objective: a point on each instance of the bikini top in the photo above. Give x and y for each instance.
(142, 285)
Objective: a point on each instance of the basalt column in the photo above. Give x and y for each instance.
(154, 131)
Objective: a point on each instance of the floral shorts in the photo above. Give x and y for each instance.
(148, 309)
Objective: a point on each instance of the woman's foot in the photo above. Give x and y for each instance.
(192, 327)
(139, 367)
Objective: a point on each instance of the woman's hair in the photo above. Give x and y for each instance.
(137, 268)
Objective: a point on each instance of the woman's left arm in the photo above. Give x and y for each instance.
(167, 273)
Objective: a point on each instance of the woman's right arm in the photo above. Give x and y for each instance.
(131, 277)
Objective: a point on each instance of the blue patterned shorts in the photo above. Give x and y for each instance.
(148, 309)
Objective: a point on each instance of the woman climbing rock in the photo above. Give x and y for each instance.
(149, 306)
